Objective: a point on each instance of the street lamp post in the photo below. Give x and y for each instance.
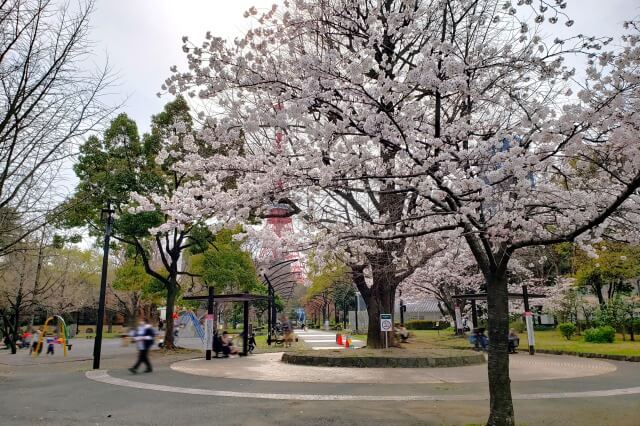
(270, 303)
(97, 344)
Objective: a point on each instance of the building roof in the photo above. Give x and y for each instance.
(424, 305)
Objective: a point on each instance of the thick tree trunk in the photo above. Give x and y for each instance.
(501, 404)
(381, 300)
(172, 292)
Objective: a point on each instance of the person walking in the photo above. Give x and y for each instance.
(144, 337)
(50, 345)
(34, 342)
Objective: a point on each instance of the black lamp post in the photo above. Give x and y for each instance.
(270, 303)
(105, 215)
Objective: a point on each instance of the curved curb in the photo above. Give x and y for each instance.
(627, 358)
(103, 376)
(323, 360)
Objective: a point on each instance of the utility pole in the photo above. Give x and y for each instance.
(97, 344)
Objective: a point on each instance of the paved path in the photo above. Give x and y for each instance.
(82, 350)
(104, 377)
(268, 367)
(40, 394)
(319, 340)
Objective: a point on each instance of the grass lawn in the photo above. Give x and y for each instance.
(552, 340)
(263, 347)
(548, 339)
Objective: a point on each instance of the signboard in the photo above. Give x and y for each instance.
(386, 323)
(208, 329)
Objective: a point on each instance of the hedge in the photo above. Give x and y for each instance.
(426, 325)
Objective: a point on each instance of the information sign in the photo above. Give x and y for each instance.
(386, 322)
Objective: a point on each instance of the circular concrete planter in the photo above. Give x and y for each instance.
(384, 359)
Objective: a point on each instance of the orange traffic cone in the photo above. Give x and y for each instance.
(339, 339)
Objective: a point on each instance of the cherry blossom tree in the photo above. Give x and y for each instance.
(451, 272)
(394, 127)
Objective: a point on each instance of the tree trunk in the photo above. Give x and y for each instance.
(501, 404)
(381, 300)
(597, 288)
(172, 292)
(16, 327)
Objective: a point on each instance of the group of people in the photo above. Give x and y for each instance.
(30, 340)
(481, 341)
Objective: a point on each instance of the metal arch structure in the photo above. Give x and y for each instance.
(320, 302)
(317, 308)
(281, 284)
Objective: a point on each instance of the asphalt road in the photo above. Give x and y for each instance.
(60, 394)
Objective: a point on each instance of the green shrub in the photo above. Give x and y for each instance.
(604, 334)
(518, 326)
(426, 325)
(567, 330)
(544, 327)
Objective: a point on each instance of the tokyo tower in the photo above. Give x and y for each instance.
(280, 222)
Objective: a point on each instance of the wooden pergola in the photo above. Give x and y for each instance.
(473, 297)
(525, 296)
(245, 298)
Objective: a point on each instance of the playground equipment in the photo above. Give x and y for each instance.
(191, 326)
(63, 331)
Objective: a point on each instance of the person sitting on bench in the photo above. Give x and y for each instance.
(514, 341)
(218, 347)
(478, 339)
(227, 345)
(401, 333)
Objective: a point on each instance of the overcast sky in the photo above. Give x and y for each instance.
(142, 38)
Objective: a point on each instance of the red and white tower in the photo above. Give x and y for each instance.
(280, 222)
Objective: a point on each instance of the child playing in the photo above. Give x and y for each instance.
(50, 342)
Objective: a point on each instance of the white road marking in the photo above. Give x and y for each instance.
(104, 377)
